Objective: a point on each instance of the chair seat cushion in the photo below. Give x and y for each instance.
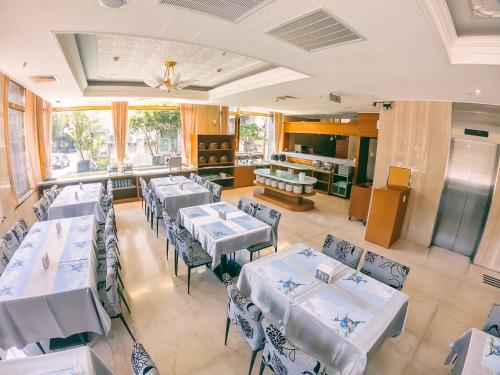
(196, 257)
(260, 246)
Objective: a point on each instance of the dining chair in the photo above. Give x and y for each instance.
(492, 324)
(4, 259)
(281, 355)
(170, 224)
(343, 251)
(20, 230)
(141, 361)
(144, 189)
(11, 242)
(111, 296)
(156, 210)
(110, 231)
(385, 270)
(243, 313)
(189, 250)
(272, 218)
(192, 176)
(215, 190)
(199, 180)
(40, 208)
(247, 206)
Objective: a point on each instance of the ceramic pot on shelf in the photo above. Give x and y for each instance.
(268, 181)
(308, 189)
(201, 146)
(282, 185)
(212, 159)
(213, 146)
(224, 159)
(202, 160)
(224, 145)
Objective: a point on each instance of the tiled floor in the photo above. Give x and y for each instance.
(185, 334)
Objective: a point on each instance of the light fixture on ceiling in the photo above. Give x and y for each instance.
(476, 92)
(170, 81)
(113, 4)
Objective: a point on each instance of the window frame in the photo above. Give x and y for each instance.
(22, 196)
(238, 113)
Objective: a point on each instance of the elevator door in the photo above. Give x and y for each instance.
(466, 197)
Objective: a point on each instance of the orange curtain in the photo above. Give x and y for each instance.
(33, 107)
(189, 123)
(224, 120)
(44, 118)
(279, 136)
(120, 124)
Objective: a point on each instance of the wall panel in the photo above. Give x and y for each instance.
(416, 135)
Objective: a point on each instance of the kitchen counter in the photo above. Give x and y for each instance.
(299, 155)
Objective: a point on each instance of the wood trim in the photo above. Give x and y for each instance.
(108, 108)
(255, 113)
(6, 131)
(17, 107)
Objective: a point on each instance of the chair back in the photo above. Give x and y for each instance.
(343, 251)
(192, 176)
(11, 243)
(114, 307)
(216, 192)
(20, 230)
(183, 241)
(141, 362)
(199, 180)
(112, 254)
(283, 357)
(244, 314)
(40, 210)
(270, 217)
(385, 270)
(492, 324)
(170, 223)
(4, 260)
(247, 206)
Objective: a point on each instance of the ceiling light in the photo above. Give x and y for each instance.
(170, 81)
(113, 4)
(476, 92)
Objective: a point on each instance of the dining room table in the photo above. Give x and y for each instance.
(76, 361)
(223, 229)
(340, 321)
(176, 192)
(49, 287)
(78, 200)
(475, 352)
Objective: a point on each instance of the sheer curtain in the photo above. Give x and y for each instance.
(45, 138)
(189, 119)
(279, 136)
(32, 144)
(120, 124)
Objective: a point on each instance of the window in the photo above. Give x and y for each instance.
(17, 143)
(82, 141)
(256, 134)
(153, 134)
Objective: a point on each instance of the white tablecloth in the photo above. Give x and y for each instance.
(38, 304)
(173, 197)
(82, 360)
(340, 323)
(218, 236)
(67, 204)
(476, 352)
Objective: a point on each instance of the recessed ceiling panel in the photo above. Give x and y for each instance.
(314, 31)
(129, 59)
(475, 17)
(231, 10)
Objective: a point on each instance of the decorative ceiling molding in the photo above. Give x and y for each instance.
(484, 50)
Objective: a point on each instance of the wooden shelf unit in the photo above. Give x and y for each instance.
(206, 168)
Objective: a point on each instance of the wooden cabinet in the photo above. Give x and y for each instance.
(360, 202)
(244, 176)
(387, 213)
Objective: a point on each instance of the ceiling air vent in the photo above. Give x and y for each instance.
(44, 79)
(231, 10)
(314, 31)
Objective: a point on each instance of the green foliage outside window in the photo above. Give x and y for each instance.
(250, 134)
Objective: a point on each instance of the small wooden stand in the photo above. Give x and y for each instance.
(286, 199)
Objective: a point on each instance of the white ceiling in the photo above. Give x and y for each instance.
(466, 24)
(139, 57)
(400, 59)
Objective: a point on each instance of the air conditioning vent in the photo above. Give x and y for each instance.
(44, 79)
(315, 31)
(231, 10)
(285, 97)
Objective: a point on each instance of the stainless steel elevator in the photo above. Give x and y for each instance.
(470, 180)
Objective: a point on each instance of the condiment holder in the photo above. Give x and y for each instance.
(222, 215)
(324, 272)
(76, 195)
(81, 186)
(302, 176)
(45, 261)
